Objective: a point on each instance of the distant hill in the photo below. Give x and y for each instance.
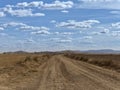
(103, 51)
(16, 52)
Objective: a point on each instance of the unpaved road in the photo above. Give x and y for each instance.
(61, 73)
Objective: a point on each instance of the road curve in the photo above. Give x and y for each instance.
(61, 73)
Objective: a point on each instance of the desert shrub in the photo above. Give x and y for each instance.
(22, 62)
(102, 62)
(84, 59)
(27, 58)
(106, 63)
(77, 57)
(46, 56)
(35, 58)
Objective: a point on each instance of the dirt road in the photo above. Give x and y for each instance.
(61, 73)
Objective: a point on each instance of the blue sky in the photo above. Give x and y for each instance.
(52, 25)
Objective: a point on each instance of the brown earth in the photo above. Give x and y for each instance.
(56, 72)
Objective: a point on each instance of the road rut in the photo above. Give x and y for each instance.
(62, 73)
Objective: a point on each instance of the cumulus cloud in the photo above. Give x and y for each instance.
(41, 32)
(1, 28)
(12, 24)
(25, 9)
(72, 24)
(65, 11)
(100, 4)
(31, 4)
(52, 21)
(63, 33)
(30, 40)
(95, 33)
(21, 9)
(115, 33)
(116, 25)
(55, 39)
(86, 42)
(67, 33)
(22, 12)
(27, 27)
(87, 37)
(65, 41)
(2, 14)
(61, 40)
(22, 26)
(115, 12)
(105, 31)
(58, 5)
(41, 5)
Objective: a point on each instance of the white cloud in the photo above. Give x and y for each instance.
(56, 33)
(87, 37)
(61, 40)
(55, 39)
(116, 25)
(27, 27)
(58, 5)
(72, 24)
(115, 12)
(105, 31)
(30, 40)
(12, 24)
(22, 26)
(2, 14)
(65, 41)
(1, 28)
(31, 4)
(100, 4)
(63, 33)
(95, 33)
(38, 14)
(52, 21)
(25, 9)
(86, 41)
(115, 33)
(40, 32)
(22, 12)
(40, 4)
(65, 11)
(67, 33)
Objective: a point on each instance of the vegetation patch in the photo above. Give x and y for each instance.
(101, 61)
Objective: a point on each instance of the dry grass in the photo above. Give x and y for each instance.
(36, 71)
(11, 59)
(20, 66)
(105, 60)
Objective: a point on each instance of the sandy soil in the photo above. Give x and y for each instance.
(58, 73)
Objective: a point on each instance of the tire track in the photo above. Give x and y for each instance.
(61, 73)
(108, 85)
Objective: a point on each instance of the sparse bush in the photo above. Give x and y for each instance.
(77, 57)
(102, 62)
(107, 63)
(83, 59)
(28, 58)
(35, 59)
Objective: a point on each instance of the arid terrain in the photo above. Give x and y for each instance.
(59, 71)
